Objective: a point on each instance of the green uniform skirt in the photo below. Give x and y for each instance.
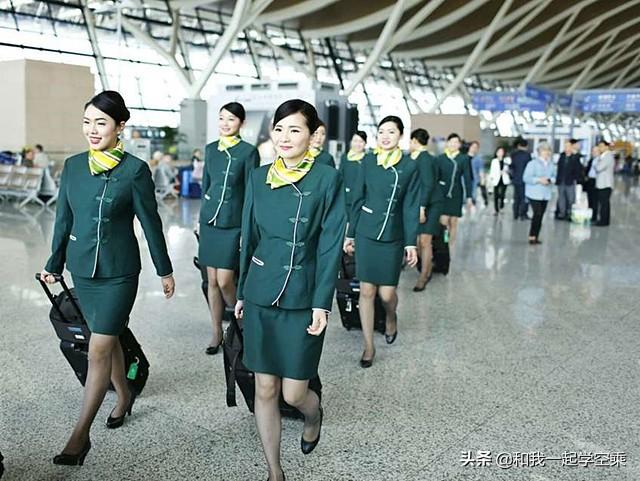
(378, 262)
(453, 206)
(276, 342)
(432, 226)
(106, 303)
(219, 248)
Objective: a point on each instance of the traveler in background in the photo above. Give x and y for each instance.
(317, 147)
(431, 200)
(604, 183)
(499, 178)
(350, 165)
(40, 159)
(383, 229)
(569, 173)
(293, 224)
(520, 157)
(228, 163)
(105, 187)
(164, 174)
(539, 176)
(198, 166)
(589, 184)
(478, 171)
(26, 157)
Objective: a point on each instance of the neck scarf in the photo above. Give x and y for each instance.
(315, 151)
(101, 161)
(280, 175)
(388, 158)
(450, 154)
(355, 156)
(416, 153)
(226, 142)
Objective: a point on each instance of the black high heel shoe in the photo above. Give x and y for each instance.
(73, 459)
(365, 363)
(307, 446)
(116, 422)
(391, 338)
(212, 350)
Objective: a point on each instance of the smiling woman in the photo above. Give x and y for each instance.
(292, 227)
(100, 193)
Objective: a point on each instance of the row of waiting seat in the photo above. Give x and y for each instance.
(21, 183)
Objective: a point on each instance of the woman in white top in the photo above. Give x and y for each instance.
(499, 178)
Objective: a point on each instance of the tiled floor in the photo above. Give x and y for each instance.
(520, 349)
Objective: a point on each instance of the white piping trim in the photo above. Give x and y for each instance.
(393, 194)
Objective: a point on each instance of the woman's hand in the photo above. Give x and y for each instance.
(349, 246)
(423, 215)
(319, 322)
(411, 256)
(47, 277)
(168, 286)
(239, 309)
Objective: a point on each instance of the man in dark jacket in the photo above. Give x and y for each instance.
(520, 157)
(570, 172)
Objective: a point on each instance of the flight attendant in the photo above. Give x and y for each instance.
(100, 193)
(431, 201)
(293, 223)
(456, 183)
(350, 164)
(383, 228)
(228, 162)
(320, 155)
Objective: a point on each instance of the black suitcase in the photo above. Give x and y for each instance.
(441, 257)
(236, 373)
(73, 332)
(348, 294)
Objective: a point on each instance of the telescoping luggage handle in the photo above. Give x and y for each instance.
(59, 278)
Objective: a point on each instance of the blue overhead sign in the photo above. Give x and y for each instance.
(538, 93)
(610, 101)
(504, 101)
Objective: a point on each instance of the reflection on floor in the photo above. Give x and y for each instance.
(521, 349)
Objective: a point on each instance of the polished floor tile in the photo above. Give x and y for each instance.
(520, 349)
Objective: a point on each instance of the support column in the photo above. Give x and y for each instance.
(193, 126)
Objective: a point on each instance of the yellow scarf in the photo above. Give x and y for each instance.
(388, 158)
(280, 175)
(101, 161)
(315, 151)
(451, 155)
(227, 141)
(416, 153)
(355, 156)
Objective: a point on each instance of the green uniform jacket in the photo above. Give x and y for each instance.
(93, 232)
(452, 172)
(349, 170)
(292, 240)
(223, 183)
(386, 202)
(430, 177)
(326, 158)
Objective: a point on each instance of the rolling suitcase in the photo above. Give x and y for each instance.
(73, 332)
(348, 294)
(441, 257)
(236, 373)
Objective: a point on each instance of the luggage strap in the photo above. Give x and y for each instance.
(231, 372)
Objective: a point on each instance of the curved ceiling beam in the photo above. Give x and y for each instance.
(618, 81)
(299, 9)
(578, 81)
(473, 58)
(361, 23)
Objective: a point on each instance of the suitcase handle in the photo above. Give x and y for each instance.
(59, 278)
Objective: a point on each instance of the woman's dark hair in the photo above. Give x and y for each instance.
(453, 136)
(362, 134)
(395, 120)
(297, 106)
(111, 103)
(321, 124)
(236, 109)
(504, 151)
(421, 135)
